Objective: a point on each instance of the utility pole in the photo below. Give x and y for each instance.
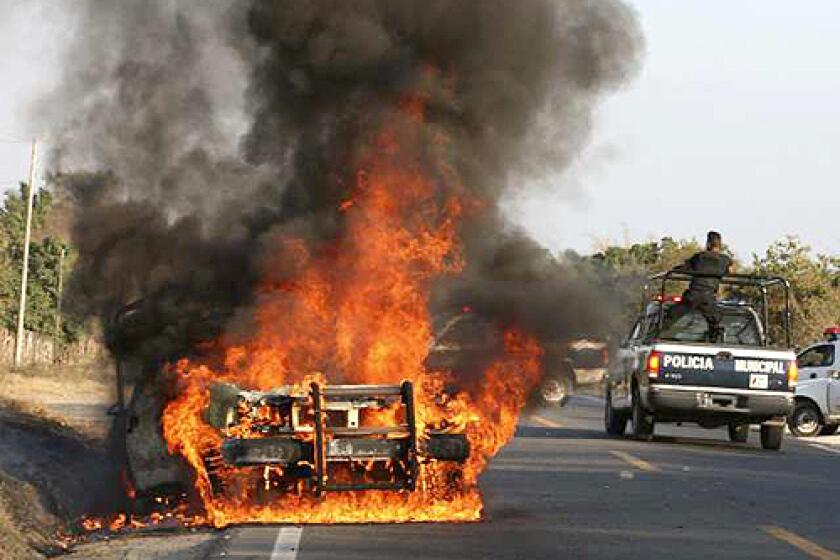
(25, 269)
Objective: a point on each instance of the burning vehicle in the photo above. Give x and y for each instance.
(329, 410)
(315, 178)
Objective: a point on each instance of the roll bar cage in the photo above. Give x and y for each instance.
(744, 280)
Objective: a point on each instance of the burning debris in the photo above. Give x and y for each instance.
(289, 281)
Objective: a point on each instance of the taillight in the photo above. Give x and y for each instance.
(793, 374)
(654, 363)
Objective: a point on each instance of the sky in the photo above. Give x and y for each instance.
(732, 124)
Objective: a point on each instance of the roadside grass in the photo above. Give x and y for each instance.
(74, 395)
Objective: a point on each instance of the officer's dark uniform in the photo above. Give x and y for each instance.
(701, 294)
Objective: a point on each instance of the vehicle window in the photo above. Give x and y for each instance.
(818, 356)
(739, 327)
(588, 358)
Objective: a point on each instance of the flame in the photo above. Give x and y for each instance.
(356, 310)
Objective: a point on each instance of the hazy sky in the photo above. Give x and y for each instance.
(733, 124)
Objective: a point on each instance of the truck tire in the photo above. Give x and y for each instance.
(738, 433)
(806, 420)
(829, 429)
(554, 390)
(643, 421)
(771, 437)
(615, 421)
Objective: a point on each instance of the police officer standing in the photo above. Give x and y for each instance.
(707, 267)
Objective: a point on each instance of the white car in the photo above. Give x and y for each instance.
(817, 401)
(817, 407)
(821, 359)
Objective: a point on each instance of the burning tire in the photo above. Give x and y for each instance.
(448, 447)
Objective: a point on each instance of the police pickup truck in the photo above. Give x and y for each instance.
(667, 370)
(817, 407)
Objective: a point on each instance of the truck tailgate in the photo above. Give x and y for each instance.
(750, 368)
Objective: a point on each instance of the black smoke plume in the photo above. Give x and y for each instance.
(192, 132)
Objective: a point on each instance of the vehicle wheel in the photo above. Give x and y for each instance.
(829, 429)
(555, 391)
(771, 437)
(805, 420)
(615, 421)
(738, 433)
(642, 419)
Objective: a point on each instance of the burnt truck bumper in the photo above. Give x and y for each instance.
(717, 404)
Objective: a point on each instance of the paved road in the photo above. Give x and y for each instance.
(561, 489)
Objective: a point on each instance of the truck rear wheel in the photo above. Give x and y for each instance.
(738, 433)
(805, 420)
(615, 421)
(771, 437)
(642, 420)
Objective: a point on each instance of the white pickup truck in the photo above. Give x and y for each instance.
(672, 371)
(817, 401)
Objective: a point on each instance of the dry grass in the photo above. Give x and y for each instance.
(76, 396)
(24, 527)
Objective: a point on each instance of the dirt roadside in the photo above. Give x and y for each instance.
(55, 467)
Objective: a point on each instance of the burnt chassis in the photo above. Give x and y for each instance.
(309, 436)
(137, 442)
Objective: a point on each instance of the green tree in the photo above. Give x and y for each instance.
(44, 260)
(625, 269)
(815, 288)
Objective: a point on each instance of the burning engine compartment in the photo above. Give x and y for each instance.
(327, 439)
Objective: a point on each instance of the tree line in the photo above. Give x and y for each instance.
(51, 258)
(814, 279)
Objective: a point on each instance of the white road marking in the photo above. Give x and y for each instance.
(825, 448)
(287, 544)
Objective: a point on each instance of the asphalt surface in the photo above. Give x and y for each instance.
(562, 489)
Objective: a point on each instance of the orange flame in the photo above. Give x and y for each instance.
(357, 311)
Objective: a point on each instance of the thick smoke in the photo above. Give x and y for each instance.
(212, 126)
